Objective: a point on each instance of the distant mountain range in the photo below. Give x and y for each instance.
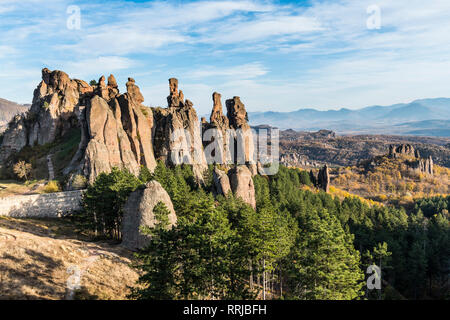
(8, 110)
(427, 117)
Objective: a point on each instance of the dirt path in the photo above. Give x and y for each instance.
(40, 260)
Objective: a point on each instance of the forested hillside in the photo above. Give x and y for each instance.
(299, 243)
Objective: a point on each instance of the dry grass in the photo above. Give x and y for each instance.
(10, 188)
(39, 257)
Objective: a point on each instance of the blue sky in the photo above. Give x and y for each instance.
(275, 55)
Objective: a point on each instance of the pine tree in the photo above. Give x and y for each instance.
(325, 264)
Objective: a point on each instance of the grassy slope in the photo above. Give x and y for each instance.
(36, 257)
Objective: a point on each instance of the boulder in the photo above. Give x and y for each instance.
(138, 212)
(242, 184)
(221, 182)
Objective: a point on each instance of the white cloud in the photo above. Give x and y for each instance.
(246, 71)
(97, 66)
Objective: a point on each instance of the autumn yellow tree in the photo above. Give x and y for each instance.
(23, 170)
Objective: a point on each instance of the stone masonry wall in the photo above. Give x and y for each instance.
(50, 205)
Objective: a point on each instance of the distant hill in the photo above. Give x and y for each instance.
(420, 117)
(8, 110)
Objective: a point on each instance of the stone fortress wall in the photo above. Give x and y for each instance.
(51, 205)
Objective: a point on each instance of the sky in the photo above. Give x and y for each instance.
(275, 55)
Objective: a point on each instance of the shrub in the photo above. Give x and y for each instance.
(79, 182)
(52, 187)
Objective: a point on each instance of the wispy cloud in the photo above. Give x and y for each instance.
(274, 54)
(246, 71)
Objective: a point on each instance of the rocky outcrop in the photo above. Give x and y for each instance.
(108, 145)
(242, 184)
(221, 182)
(216, 134)
(412, 158)
(323, 179)
(116, 130)
(53, 112)
(138, 212)
(14, 139)
(177, 133)
(218, 119)
(119, 130)
(401, 150)
(423, 166)
(290, 158)
(238, 118)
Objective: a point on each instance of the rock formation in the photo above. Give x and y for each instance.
(401, 150)
(216, 135)
(242, 184)
(412, 158)
(243, 141)
(177, 133)
(138, 212)
(323, 179)
(14, 139)
(221, 182)
(116, 130)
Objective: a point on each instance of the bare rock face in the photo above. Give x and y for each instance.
(54, 104)
(113, 88)
(15, 138)
(244, 146)
(138, 212)
(108, 145)
(137, 121)
(177, 133)
(217, 117)
(134, 92)
(323, 179)
(424, 166)
(216, 135)
(236, 113)
(402, 150)
(242, 184)
(175, 98)
(221, 182)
